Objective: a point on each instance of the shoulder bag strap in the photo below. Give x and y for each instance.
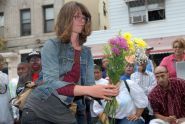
(126, 84)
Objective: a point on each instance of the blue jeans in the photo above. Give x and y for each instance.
(126, 121)
(81, 112)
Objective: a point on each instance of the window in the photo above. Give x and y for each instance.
(48, 18)
(1, 24)
(23, 57)
(146, 10)
(104, 9)
(156, 10)
(1, 19)
(156, 15)
(25, 22)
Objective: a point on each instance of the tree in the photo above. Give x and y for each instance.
(2, 43)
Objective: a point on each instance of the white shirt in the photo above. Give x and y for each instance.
(101, 81)
(128, 102)
(146, 82)
(13, 86)
(5, 107)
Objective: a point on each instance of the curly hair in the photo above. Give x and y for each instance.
(180, 41)
(63, 27)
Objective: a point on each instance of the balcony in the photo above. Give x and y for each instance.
(2, 31)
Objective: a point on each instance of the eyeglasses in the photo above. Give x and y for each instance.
(177, 47)
(80, 18)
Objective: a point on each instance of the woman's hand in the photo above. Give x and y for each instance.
(103, 91)
(137, 115)
(97, 91)
(133, 117)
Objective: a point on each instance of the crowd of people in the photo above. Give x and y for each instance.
(65, 76)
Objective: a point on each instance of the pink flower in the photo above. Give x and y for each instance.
(116, 50)
(112, 42)
(122, 43)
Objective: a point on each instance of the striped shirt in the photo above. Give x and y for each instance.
(171, 101)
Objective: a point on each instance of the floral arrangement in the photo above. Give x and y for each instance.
(116, 51)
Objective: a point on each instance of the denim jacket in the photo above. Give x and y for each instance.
(57, 60)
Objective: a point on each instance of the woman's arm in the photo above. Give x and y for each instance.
(98, 91)
(136, 116)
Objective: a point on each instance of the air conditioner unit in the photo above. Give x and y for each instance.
(138, 19)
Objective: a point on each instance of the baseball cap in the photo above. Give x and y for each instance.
(33, 53)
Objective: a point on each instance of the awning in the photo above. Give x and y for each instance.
(97, 50)
(160, 45)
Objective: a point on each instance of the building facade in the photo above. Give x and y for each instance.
(158, 22)
(26, 24)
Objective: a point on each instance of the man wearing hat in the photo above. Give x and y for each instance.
(34, 58)
(144, 78)
(149, 62)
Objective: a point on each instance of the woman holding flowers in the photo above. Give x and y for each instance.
(130, 105)
(67, 68)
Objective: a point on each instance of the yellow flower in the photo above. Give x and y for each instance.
(131, 45)
(127, 36)
(140, 43)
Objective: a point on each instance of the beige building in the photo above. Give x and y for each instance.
(26, 24)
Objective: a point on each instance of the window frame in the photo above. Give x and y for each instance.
(45, 28)
(22, 32)
(2, 26)
(143, 10)
(2, 14)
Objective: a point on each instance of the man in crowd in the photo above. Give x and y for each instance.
(168, 97)
(5, 107)
(145, 79)
(22, 69)
(149, 65)
(34, 58)
(31, 72)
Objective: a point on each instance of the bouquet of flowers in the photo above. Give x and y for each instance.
(116, 51)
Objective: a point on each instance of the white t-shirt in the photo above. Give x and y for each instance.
(13, 86)
(128, 102)
(101, 81)
(146, 82)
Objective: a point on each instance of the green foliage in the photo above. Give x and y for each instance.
(2, 43)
